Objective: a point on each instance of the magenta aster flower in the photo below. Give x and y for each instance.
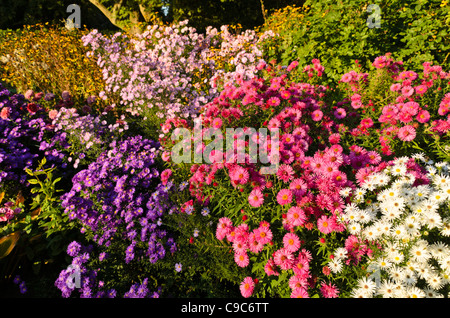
(317, 115)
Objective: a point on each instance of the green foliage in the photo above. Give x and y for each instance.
(40, 232)
(337, 33)
(50, 217)
(17, 13)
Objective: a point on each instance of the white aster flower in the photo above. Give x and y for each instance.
(387, 289)
(432, 220)
(439, 250)
(414, 292)
(435, 281)
(431, 293)
(354, 228)
(340, 253)
(367, 285)
(335, 265)
(445, 230)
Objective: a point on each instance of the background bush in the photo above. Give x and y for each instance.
(48, 59)
(336, 33)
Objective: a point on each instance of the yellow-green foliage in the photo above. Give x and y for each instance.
(48, 59)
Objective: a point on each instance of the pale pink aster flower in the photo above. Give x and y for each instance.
(406, 133)
(347, 77)
(29, 94)
(407, 91)
(5, 113)
(395, 87)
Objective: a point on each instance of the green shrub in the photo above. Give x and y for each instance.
(337, 33)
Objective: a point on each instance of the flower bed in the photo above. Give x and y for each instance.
(259, 180)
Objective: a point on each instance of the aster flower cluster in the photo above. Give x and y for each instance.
(320, 169)
(20, 131)
(408, 225)
(85, 135)
(411, 113)
(169, 67)
(111, 199)
(87, 282)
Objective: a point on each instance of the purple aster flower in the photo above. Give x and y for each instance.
(73, 249)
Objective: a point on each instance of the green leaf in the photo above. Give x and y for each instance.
(7, 243)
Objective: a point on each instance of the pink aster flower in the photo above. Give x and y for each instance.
(283, 258)
(273, 124)
(284, 197)
(256, 198)
(297, 281)
(273, 101)
(223, 228)
(241, 259)
(247, 287)
(240, 244)
(291, 66)
(291, 242)
(285, 173)
(298, 187)
(406, 133)
(165, 175)
(325, 224)
(423, 116)
(299, 293)
(263, 234)
(317, 115)
(301, 266)
(329, 291)
(271, 268)
(340, 113)
(407, 91)
(296, 216)
(421, 89)
(217, 123)
(239, 175)
(254, 245)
